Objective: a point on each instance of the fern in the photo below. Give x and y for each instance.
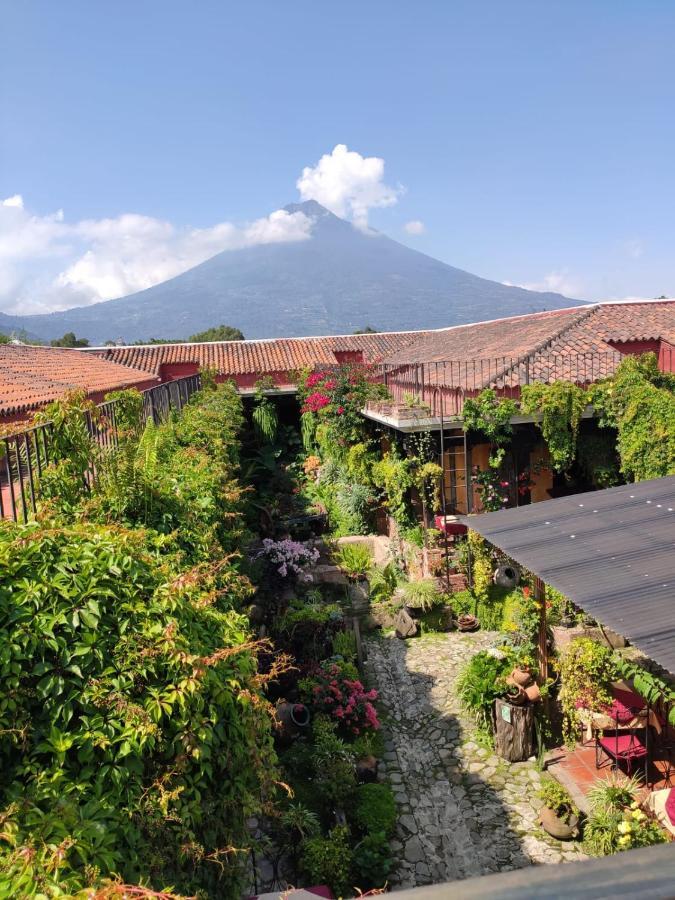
(265, 420)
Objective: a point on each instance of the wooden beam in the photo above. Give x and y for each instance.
(542, 644)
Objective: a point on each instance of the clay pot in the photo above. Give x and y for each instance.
(292, 719)
(522, 676)
(467, 623)
(515, 695)
(563, 828)
(532, 692)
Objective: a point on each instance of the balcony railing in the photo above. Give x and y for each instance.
(26, 454)
(438, 389)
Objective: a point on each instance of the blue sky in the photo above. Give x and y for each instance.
(534, 141)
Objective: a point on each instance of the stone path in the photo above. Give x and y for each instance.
(462, 810)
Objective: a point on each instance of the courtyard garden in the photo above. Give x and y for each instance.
(240, 655)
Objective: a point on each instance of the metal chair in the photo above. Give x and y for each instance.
(623, 745)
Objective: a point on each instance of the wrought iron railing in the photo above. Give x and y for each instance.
(25, 455)
(442, 386)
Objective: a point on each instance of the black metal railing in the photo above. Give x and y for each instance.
(25, 455)
(442, 386)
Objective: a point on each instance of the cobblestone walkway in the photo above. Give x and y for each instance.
(462, 810)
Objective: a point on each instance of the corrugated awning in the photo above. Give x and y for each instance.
(611, 552)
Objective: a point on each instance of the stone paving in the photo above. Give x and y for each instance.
(462, 810)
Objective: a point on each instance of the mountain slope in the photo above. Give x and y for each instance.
(338, 280)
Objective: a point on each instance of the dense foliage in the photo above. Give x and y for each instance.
(639, 402)
(134, 734)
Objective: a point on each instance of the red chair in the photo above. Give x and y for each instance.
(628, 746)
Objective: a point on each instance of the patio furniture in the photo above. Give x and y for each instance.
(623, 744)
(663, 748)
(627, 711)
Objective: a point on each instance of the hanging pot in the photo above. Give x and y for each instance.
(506, 576)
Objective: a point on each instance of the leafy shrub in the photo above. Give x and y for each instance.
(354, 559)
(462, 602)
(422, 594)
(615, 821)
(332, 765)
(587, 669)
(134, 694)
(353, 505)
(372, 861)
(480, 682)
(328, 860)
(344, 645)
(344, 699)
(383, 582)
(375, 809)
(556, 797)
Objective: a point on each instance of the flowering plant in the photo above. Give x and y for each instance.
(344, 699)
(311, 466)
(289, 559)
(337, 396)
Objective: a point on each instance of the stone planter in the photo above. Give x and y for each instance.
(358, 592)
(467, 623)
(563, 828)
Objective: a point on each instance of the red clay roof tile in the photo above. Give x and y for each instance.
(31, 376)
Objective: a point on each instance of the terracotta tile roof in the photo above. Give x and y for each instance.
(30, 376)
(260, 357)
(576, 344)
(546, 345)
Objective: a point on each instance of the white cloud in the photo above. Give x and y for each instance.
(16, 201)
(559, 282)
(47, 263)
(348, 184)
(415, 227)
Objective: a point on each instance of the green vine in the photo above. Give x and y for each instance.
(561, 405)
(490, 415)
(639, 401)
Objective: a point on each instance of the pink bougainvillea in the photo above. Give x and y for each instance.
(345, 700)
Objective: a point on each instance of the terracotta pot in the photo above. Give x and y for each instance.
(532, 692)
(467, 623)
(563, 828)
(292, 719)
(522, 676)
(516, 696)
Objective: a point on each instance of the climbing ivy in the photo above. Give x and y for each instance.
(560, 405)
(490, 415)
(639, 402)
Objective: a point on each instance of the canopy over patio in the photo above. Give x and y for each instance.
(612, 552)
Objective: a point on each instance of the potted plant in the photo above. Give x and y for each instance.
(420, 596)
(355, 560)
(559, 817)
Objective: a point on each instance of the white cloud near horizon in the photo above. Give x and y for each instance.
(415, 227)
(557, 282)
(48, 264)
(348, 184)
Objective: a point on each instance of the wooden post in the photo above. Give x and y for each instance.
(540, 597)
(514, 731)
